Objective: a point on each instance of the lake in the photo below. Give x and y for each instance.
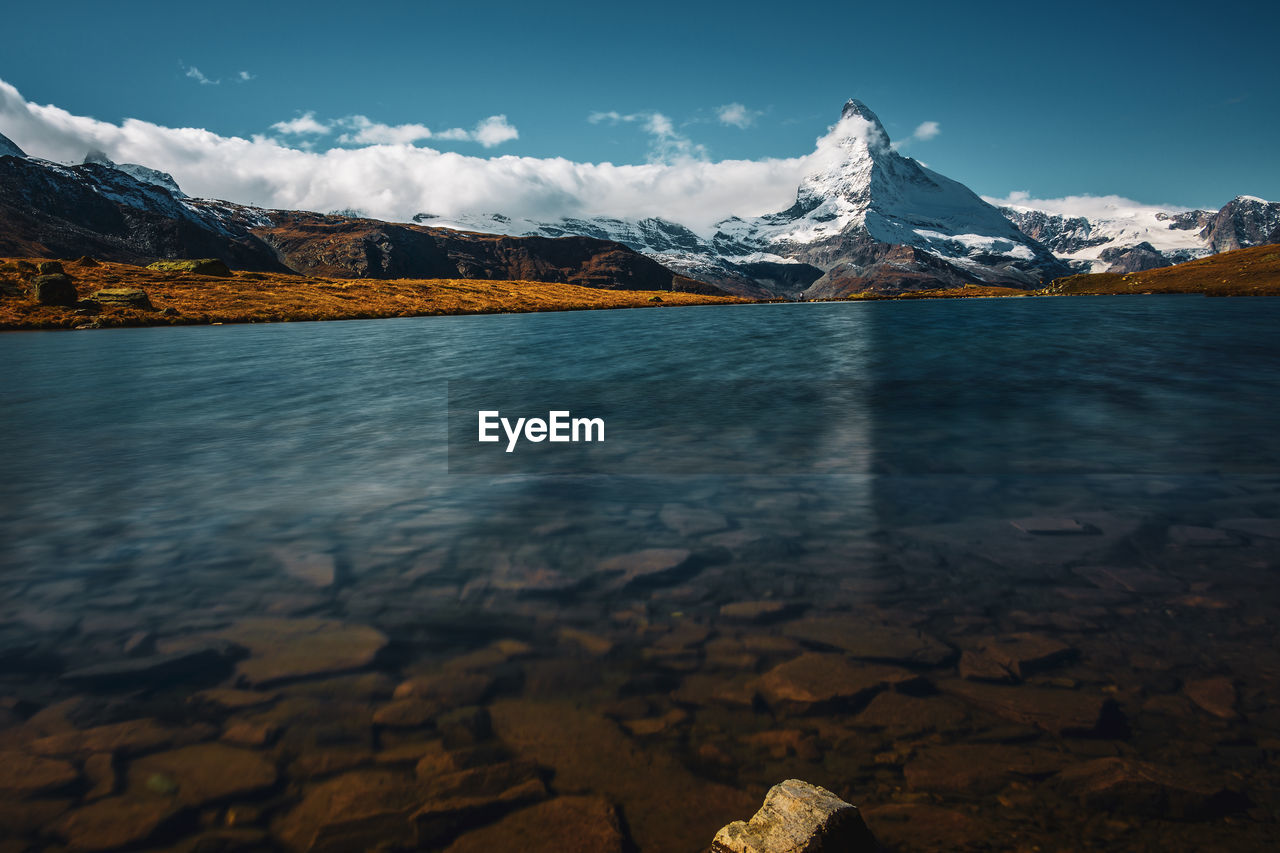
(1000, 572)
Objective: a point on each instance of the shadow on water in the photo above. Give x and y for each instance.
(1003, 572)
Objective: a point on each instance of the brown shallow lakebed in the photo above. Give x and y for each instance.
(248, 604)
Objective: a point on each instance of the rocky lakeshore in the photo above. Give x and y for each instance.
(90, 294)
(87, 293)
(1074, 679)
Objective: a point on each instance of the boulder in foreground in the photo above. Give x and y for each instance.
(798, 818)
(124, 297)
(54, 289)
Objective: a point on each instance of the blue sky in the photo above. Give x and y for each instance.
(1175, 103)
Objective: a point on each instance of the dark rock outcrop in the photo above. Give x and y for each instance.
(1063, 235)
(8, 148)
(69, 211)
(1242, 222)
(54, 289)
(364, 248)
(1141, 257)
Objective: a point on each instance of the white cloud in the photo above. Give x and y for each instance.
(666, 144)
(244, 77)
(494, 130)
(737, 115)
(924, 131)
(927, 130)
(1088, 206)
(303, 124)
(396, 181)
(195, 74)
(366, 132)
(361, 130)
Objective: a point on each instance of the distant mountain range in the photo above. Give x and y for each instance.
(1144, 240)
(865, 219)
(131, 213)
(871, 219)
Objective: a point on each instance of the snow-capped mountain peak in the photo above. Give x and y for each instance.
(867, 218)
(864, 217)
(862, 195)
(844, 161)
(145, 174)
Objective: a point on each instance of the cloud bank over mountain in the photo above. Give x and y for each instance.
(388, 173)
(391, 178)
(1092, 207)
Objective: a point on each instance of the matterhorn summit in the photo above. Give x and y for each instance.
(871, 219)
(864, 218)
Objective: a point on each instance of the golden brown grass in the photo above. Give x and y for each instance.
(969, 291)
(270, 297)
(1244, 272)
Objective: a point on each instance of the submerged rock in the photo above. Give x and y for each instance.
(26, 775)
(311, 567)
(355, 811)
(205, 773)
(754, 611)
(1137, 787)
(798, 817)
(1012, 657)
(132, 737)
(652, 566)
(818, 680)
(468, 798)
(572, 824)
(1052, 526)
(114, 822)
(691, 521)
(920, 826)
(451, 690)
(1216, 696)
(1058, 711)
(979, 768)
(208, 664)
(100, 770)
(408, 713)
(1266, 528)
(1128, 579)
(286, 649)
(860, 637)
(903, 716)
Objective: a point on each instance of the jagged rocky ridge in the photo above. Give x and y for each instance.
(1132, 241)
(131, 213)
